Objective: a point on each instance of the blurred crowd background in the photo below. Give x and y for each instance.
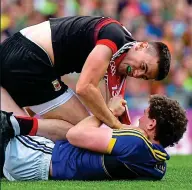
(169, 21)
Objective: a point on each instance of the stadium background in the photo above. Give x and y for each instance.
(169, 21)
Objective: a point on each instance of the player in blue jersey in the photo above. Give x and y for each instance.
(92, 152)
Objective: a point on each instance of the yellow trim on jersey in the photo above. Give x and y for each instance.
(156, 156)
(128, 129)
(132, 131)
(111, 145)
(160, 153)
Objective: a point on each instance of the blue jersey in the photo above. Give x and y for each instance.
(130, 156)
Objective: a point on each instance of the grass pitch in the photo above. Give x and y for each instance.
(179, 176)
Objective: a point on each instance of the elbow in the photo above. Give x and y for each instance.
(82, 89)
(72, 136)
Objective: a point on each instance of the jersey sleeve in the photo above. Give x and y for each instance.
(130, 145)
(114, 36)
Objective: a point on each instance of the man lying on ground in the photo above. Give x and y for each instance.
(92, 152)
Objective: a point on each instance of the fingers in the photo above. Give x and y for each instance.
(117, 105)
(123, 102)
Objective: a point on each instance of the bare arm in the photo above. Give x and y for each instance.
(89, 135)
(87, 85)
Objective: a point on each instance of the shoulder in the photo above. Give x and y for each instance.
(133, 135)
(116, 33)
(128, 141)
(117, 27)
(134, 142)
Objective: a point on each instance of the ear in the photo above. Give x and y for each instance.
(152, 124)
(141, 45)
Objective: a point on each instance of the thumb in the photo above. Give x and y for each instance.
(124, 102)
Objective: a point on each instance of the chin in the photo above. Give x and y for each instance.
(120, 72)
(129, 75)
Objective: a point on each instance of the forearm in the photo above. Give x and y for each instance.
(53, 129)
(104, 91)
(88, 133)
(93, 99)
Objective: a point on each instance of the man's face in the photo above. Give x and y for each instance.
(145, 122)
(140, 62)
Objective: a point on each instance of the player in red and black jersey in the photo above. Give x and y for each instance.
(34, 59)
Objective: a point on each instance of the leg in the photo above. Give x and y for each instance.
(66, 107)
(53, 129)
(8, 104)
(14, 125)
(56, 122)
(6, 132)
(72, 111)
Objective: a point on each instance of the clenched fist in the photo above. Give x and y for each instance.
(117, 105)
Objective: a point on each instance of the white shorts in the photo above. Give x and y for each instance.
(52, 104)
(28, 158)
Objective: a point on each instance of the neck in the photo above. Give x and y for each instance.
(146, 133)
(154, 141)
(151, 138)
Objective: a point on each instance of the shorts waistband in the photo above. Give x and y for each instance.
(30, 45)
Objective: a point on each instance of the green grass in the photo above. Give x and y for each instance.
(179, 176)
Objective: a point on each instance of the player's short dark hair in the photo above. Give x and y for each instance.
(171, 119)
(164, 59)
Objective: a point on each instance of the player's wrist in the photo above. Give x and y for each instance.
(116, 123)
(112, 110)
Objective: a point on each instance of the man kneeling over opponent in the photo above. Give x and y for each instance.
(92, 152)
